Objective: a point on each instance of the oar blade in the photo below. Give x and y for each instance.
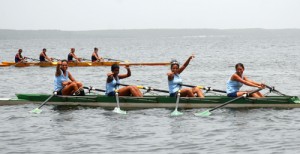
(203, 114)
(119, 111)
(36, 111)
(176, 113)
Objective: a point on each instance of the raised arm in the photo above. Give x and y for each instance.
(122, 76)
(185, 64)
(110, 77)
(58, 71)
(170, 76)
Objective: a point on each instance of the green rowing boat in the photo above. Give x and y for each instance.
(155, 101)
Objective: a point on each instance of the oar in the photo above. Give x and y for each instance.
(146, 88)
(92, 88)
(38, 110)
(86, 59)
(118, 109)
(205, 88)
(208, 112)
(176, 112)
(110, 59)
(56, 59)
(33, 59)
(272, 88)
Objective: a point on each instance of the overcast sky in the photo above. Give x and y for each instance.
(148, 14)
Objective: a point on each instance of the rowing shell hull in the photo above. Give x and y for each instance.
(156, 101)
(83, 64)
(3, 65)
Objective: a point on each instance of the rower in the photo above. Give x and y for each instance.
(19, 57)
(237, 80)
(113, 79)
(64, 82)
(72, 55)
(95, 57)
(175, 81)
(43, 56)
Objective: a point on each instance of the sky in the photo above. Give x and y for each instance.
(74, 15)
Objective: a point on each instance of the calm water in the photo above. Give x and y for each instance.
(272, 60)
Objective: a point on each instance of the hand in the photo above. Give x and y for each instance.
(59, 63)
(192, 56)
(127, 66)
(110, 74)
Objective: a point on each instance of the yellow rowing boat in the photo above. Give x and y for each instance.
(83, 64)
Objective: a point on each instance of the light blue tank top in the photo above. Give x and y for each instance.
(58, 80)
(233, 86)
(175, 84)
(110, 87)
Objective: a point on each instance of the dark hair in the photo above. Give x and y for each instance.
(114, 66)
(19, 50)
(95, 49)
(174, 62)
(44, 49)
(239, 64)
(64, 61)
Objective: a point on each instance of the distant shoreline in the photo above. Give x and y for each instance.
(129, 33)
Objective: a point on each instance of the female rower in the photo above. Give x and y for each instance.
(237, 80)
(96, 57)
(64, 83)
(19, 57)
(113, 79)
(72, 55)
(175, 81)
(43, 56)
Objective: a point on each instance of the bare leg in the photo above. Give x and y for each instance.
(186, 92)
(240, 93)
(135, 91)
(197, 91)
(125, 91)
(79, 84)
(70, 89)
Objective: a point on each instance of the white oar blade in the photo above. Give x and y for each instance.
(119, 111)
(36, 111)
(203, 114)
(176, 113)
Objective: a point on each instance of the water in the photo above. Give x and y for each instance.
(273, 60)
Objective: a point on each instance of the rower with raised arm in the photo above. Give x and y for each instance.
(72, 55)
(64, 82)
(95, 57)
(175, 81)
(44, 57)
(19, 57)
(113, 79)
(237, 80)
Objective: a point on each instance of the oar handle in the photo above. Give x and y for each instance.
(245, 95)
(146, 88)
(92, 88)
(272, 88)
(204, 88)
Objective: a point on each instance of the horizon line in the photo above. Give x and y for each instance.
(155, 29)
